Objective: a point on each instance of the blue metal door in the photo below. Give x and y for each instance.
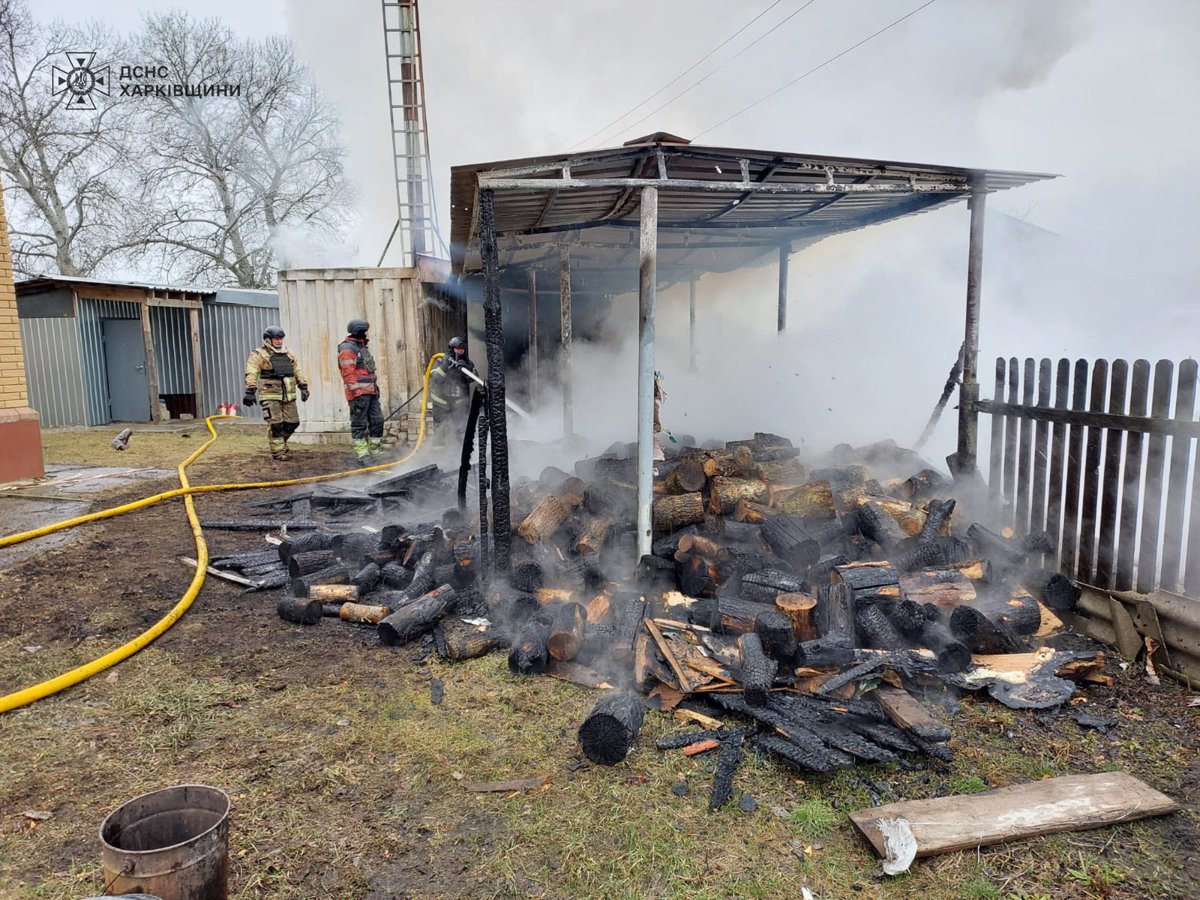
(125, 359)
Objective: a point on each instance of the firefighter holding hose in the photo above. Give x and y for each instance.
(273, 378)
(357, 367)
(450, 390)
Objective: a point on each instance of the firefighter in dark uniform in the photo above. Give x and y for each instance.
(273, 378)
(357, 367)
(450, 391)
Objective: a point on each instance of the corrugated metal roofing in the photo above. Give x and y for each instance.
(719, 208)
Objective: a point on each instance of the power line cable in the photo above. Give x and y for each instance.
(815, 69)
(691, 68)
(705, 78)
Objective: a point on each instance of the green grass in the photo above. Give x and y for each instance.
(157, 449)
(980, 888)
(813, 818)
(970, 784)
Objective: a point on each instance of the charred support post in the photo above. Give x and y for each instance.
(647, 283)
(784, 250)
(968, 393)
(692, 324)
(497, 418)
(564, 312)
(533, 339)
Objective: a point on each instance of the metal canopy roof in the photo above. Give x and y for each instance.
(718, 208)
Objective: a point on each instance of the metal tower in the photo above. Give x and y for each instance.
(416, 214)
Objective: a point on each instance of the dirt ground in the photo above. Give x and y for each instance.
(347, 780)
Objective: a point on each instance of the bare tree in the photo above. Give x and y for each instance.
(64, 168)
(227, 175)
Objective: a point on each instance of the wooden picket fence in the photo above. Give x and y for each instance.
(1102, 456)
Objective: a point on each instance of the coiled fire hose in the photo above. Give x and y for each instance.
(61, 682)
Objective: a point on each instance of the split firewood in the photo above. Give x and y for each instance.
(835, 610)
(787, 537)
(877, 524)
(697, 576)
(311, 561)
(333, 593)
(553, 595)
(608, 733)
(862, 576)
(753, 513)
(698, 544)
(814, 498)
(675, 512)
(782, 473)
(701, 746)
(599, 609)
(363, 614)
(730, 463)
(544, 520)
(572, 492)
(775, 632)
(725, 493)
(592, 539)
(800, 612)
(334, 574)
(687, 477)
(417, 618)
(628, 612)
(566, 632)
(765, 585)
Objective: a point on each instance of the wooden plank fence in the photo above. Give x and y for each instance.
(1103, 457)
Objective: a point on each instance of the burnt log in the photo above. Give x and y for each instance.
(672, 513)
(765, 585)
(368, 578)
(686, 478)
(923, 484)
(334, 574)
(937, 520)
(802, 757)
(608, 733)
(363, 613)
(249, 559)
(1037, 542)
(300, 611)
(789, 540)
(867, 575)
(628, 611)
(455, 640)
(314, 540)
(527, 576)
(727, 615)
(311, 561)
(510, 606)
(758, 671)
(1054, 589)
(876, 629)
(696, 575)
(981, 634)
(776, 635)
(822, 569)
(877, 524)
(1020, 611)
(941, 552)
(728, 761)
(566, 632)
(357, 546)
(418, 617)
(737, 462)
(999, 550)
(544, 520)
(679, 741)
(835, 611)
(395, 576)
(786, 472)
(832, 651)
(667, 545)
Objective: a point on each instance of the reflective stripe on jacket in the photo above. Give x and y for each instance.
(260, 374)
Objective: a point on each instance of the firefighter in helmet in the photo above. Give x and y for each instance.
(450, 390)
(357, 367)
(273, 378)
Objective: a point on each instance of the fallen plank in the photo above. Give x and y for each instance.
(1070, 803)
(685, 684)
(576, 673)
(910, 715)
(516, 784)
(227, 576)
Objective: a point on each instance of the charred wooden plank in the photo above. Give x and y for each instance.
(608, 733)
(801, 756)
(727, 763)
(758, 672)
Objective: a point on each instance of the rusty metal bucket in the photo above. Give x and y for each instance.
(173, 843)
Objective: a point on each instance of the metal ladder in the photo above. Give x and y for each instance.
(416, 215)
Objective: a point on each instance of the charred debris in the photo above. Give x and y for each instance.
(791, 611)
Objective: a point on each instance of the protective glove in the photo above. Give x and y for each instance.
(304, 393)
(248, 399)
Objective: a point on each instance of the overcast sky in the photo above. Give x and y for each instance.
(1099, 262)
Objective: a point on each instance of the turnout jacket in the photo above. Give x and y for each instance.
(357, 367)
(448, 386)
(276, 374)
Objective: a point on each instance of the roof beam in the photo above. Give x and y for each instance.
(497, 183)
(735, 203)
(862, 179)
(638, 164)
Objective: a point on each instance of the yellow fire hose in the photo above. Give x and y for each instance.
(61, 682)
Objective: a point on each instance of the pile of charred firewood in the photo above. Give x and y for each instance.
(805, 603)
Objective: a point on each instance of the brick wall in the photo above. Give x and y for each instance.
(20, 435)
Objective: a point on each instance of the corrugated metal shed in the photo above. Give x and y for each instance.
(410, 320)
(197, 342)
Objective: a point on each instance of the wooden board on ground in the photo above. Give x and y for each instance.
(577, 674)
(1070, 803)
(903, 709)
